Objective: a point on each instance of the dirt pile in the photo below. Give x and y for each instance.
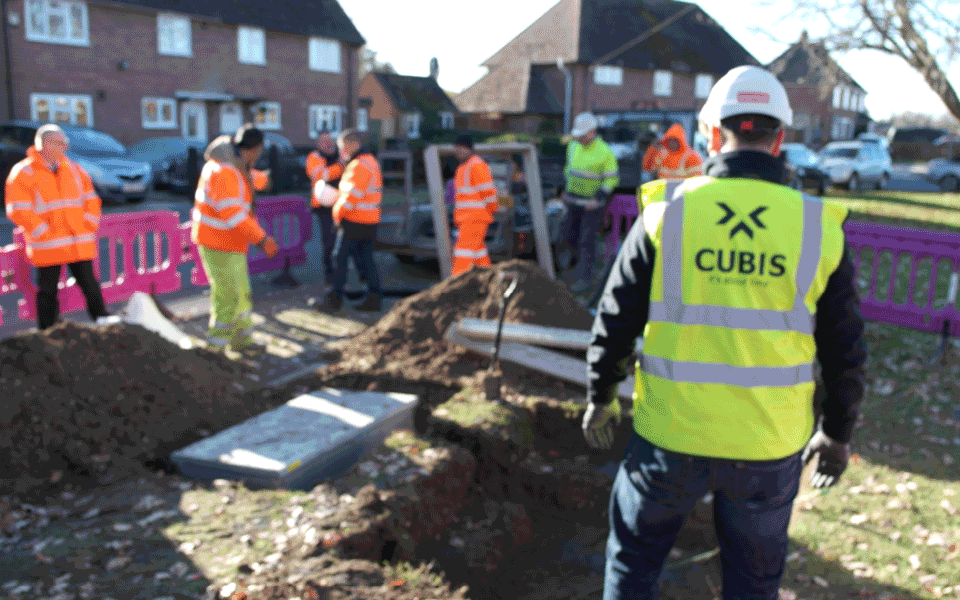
(408, 340)
(80, 400)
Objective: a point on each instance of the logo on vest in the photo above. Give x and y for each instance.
(729, 214)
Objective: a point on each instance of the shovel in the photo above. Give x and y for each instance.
(493, 380)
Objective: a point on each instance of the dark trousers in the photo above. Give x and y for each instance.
(328, 236)
(48, 278)
(580, 230)
(656, 489)
(362, 253)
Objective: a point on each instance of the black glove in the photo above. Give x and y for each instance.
(603, 197)
(598, 424)
(831, 462)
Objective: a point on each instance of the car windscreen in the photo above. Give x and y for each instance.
(94, 143)
(839, 153)
(801, 157)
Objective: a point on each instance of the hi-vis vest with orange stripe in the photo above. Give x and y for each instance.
(361, 189)
(221, 212)
(319, 170)
(59, 212)
(475, 197)
(727, 364)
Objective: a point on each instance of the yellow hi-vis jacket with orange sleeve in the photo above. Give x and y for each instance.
(59, 212)
(475, 197)
(319, 168)
(222, 217)
(361, 189)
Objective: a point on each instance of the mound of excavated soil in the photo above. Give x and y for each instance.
(408, 340)
(87, 400)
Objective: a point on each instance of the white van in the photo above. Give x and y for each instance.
(856, 163)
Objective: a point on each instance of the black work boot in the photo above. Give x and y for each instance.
(331, 302)
(370, 303)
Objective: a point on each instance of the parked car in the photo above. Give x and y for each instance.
(116, 177)
(856, 163)
(803, 170)
(169, 159)
(287, 166)
(945, 173)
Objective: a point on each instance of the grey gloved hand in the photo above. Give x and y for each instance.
(598, 424)
(831, 462)
(599, 200)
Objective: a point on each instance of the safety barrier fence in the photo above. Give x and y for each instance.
(146, 249)
(906, 276)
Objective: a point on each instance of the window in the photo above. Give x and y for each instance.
(266, 115)
(57, 22)
(411, 124)
(837, 91)
(703, 85)
(446, 120)
(363, 119)
(62, 108)
(801, 120)
(325, 118)
(845, 98)
(324, 55)
(173, 35)
(251, 46)
(663, 83)
(158, 113)
(607, 75)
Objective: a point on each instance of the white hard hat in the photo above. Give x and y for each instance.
(583, 123)
(747, 90)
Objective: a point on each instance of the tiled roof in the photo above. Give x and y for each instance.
(415, 94)
(809, 63)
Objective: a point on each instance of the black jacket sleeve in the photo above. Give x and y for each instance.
(841, 350)
(621, 316)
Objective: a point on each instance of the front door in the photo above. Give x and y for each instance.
(194, 119)
(231, 117)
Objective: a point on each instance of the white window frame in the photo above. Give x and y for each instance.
(608, 75)
(837, 94)
(42, 33)
(446, 120)
(327, 113)
(663, 83)
(264, 108)
(411, 125)
(244, 34)
(72, 100)
(703, 85)
(845, 99)
(324, 55)
(363, 119)
(171, 27)
(159, 122)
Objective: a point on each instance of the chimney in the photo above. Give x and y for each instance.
(434, 68)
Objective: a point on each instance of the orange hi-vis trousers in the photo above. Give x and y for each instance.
(470, 248)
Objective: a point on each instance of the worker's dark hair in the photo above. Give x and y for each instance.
(247, 137)
(751, 128)
(351, 135)
(465, 140)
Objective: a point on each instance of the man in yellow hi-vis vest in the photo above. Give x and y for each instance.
(736, 284)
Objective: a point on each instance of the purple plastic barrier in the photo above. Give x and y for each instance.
(622, 210)
(10, 258)
(122, 230)
(287, 219)
(918, 245)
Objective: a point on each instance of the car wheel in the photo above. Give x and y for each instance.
(407, 259)
(949, 183)
(135, 199)
(821, 188)
(853, 184)
(883, 181)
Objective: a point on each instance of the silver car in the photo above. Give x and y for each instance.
(855, 164)
(945, 173)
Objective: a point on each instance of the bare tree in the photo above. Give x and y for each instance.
(369, 63)
(924, 33)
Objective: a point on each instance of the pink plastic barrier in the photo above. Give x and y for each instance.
(621, 212)
(190, 255)
(127, 233)
(9, 259)
(918, 245)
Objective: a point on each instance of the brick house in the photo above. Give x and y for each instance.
(828, 104)
(145, 68)
(403, 105)
(634, 62)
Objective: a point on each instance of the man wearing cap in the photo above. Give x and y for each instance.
(736, 284)
(592, 174)
(474, 203)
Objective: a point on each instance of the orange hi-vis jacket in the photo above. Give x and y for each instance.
(59, 212)
(361, 190)
(475, 197)
(681, 164)
(319, 169)
(221, 212)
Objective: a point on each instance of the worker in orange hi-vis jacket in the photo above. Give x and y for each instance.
(52, 199)
(475, 202)
(672, 157)
(325, 169)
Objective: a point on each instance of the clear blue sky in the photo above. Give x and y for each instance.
(461, 36)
